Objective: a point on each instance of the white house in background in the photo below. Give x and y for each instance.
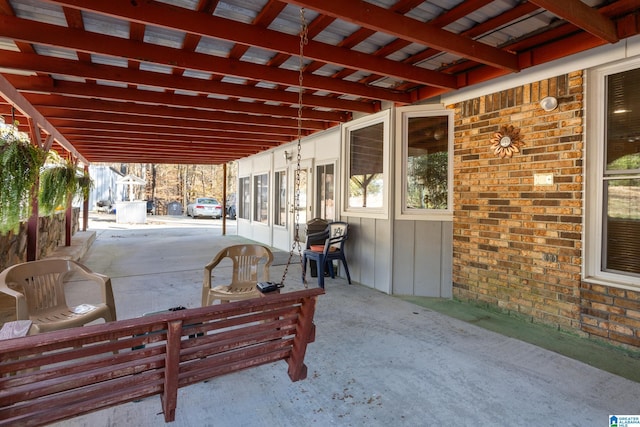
(105, 185)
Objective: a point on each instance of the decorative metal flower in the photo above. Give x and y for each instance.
(506, 142)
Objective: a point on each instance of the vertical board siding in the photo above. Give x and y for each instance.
(427, 258)
(403, 257)
(422, 258)
(382, 256)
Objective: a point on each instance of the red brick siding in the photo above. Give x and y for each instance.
(518, 246)
(612, 314)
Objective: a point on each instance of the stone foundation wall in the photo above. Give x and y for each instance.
(13, 247)
(51, 234)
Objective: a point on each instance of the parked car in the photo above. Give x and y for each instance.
(151, 207)
(204, 206)
(231, 212)
(231, 206)
(106, 206)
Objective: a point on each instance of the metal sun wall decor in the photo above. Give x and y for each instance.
(506, 142)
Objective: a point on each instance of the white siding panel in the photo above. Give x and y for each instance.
(365, 243)
(403, 262)
(382, 256)
(262, 163)
(281, 240)
(427, 258)
(262, 234)
(368, 252)
(244, 228)
(327, 145)
(422, 258)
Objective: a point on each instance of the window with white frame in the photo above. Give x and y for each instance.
(244, 199)
(280, 201)
(613, 187)
(424, 141)
(261, 198)
(325, 192)
(366, 166)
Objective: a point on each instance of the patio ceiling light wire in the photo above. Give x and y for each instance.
(304, 39)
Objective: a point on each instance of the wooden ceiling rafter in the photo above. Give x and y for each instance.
(176, 18)
(169, 127)
(92, 43)
(224, 78)
(582, 16)
(129, 76)
(379, 19)
(35, 118)
(135, 108)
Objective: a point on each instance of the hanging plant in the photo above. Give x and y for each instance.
(85, 184)
(59, 182)
(20, 163)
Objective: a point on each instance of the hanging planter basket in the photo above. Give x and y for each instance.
(20, 164)
(58, 183)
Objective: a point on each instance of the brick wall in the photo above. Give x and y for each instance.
(612, 314)
(517, 245)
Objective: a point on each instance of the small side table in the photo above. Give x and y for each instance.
(15, 329)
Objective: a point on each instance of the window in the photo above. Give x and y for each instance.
(281, 198)
(325, 194)
(244, 200)
(424, 142)
(613, 189)
(366, 166)
(261, 198)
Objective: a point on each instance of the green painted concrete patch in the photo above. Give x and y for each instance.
(617, 360)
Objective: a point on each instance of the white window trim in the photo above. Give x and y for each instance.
(276, 196)
(254, 195)
(383, 117)
(240, 178)
(336, 184)
(594, 155)
(402, 116)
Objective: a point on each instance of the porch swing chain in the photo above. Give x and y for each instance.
(304, 32)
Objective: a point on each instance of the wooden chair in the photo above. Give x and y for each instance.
(335, 236)
(250, 266)
(38, 288)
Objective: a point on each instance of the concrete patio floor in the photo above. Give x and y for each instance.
(377, 360)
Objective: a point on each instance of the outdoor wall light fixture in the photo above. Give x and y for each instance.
(287, 156)
(549, 103)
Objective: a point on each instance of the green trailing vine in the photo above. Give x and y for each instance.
(58, 183)
(85, 184)
(20, 164)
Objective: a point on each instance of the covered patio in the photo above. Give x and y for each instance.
(377, 360)
(209, 82)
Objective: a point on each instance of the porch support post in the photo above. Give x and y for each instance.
(32, 224)
(224, 199)
(85, 207)
(68, 220)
